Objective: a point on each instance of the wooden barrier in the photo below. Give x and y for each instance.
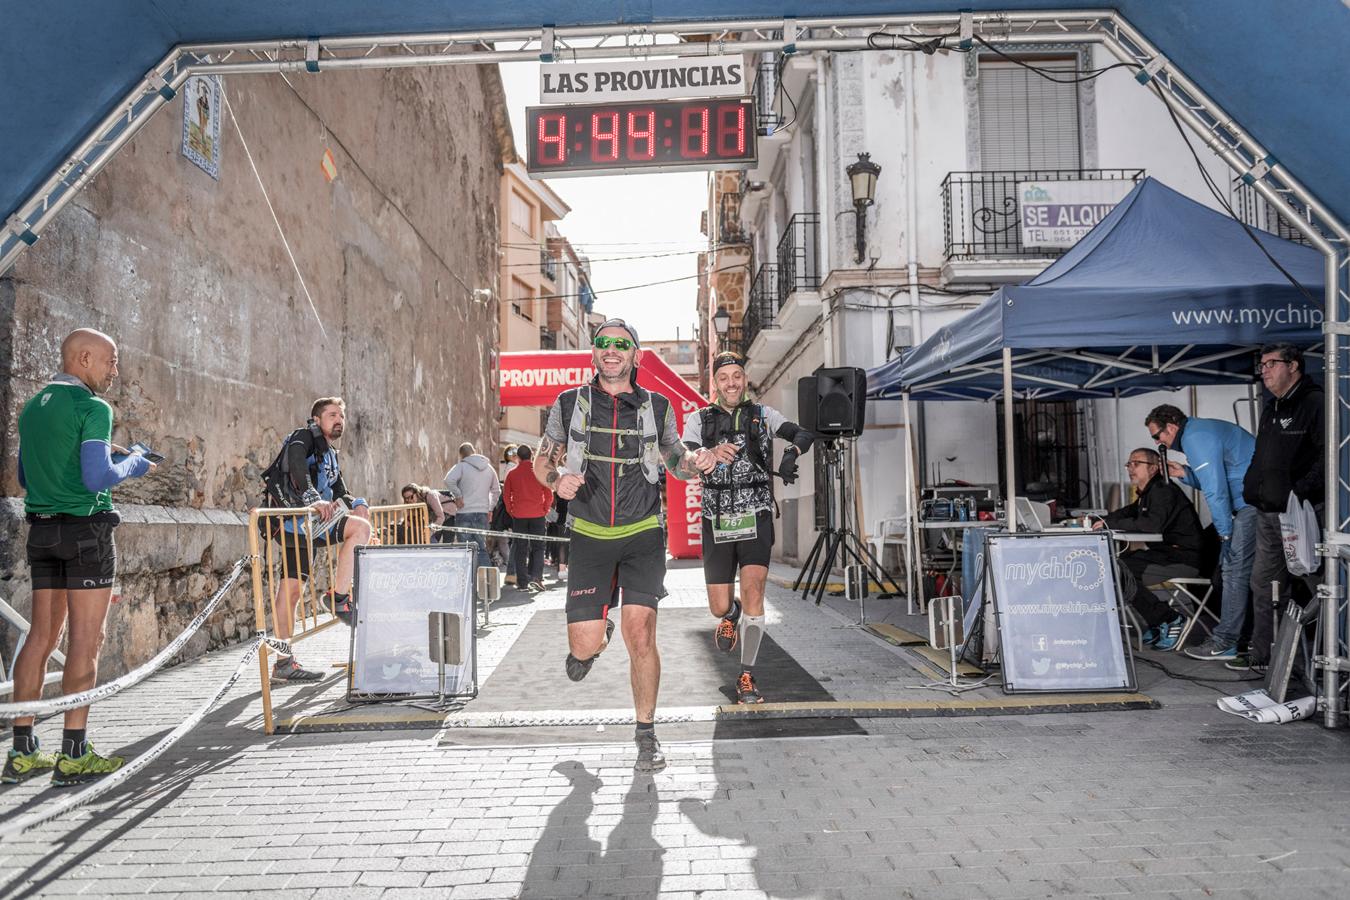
(311, 597)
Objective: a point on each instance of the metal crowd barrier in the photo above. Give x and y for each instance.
(404, 523)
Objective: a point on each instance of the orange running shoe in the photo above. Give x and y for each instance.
(724, 636)
(746, 692)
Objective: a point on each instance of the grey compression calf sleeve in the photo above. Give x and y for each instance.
(752, 631)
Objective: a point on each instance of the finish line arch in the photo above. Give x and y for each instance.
(51, 167)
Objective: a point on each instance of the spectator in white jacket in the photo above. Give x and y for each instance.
(474, 480)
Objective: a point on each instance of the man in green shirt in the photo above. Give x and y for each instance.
(66, 465)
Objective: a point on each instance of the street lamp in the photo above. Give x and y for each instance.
(863, 177)
(722, 322)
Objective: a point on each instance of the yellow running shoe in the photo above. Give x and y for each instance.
(22, 766)
(71, 770)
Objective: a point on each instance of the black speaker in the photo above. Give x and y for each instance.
(832, 402)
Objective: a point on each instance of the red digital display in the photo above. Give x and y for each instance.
(678, 134)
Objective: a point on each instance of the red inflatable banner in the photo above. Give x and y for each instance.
(536, 378)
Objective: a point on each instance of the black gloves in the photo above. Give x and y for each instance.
(787, 466)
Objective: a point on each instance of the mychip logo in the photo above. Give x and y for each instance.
(411, 581)
(1083, 569)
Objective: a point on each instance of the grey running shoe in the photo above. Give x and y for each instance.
(649, 758)
(1212, 649)
(578, 669)
(288, 670)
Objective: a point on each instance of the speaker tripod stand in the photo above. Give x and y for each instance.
(837, 544)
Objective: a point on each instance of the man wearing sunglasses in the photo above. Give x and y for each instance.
(738, 507)
(1217, 456)
(602, 450)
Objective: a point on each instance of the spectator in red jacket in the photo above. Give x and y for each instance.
(528, 502)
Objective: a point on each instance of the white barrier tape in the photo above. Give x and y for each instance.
(135, 676)
(108, 782)
(280, 645)
(515, 536)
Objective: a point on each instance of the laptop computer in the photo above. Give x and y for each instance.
(1031, 515)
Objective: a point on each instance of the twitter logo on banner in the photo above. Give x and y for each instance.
(1040, 665)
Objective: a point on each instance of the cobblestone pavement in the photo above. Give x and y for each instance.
(1182, 801)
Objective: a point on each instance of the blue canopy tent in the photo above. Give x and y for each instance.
(1164, 293)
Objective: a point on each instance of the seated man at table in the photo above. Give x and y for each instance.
(1163, 509)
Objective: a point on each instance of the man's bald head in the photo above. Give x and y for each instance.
(90, 356)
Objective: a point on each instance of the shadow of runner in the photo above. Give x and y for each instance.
(568, 862)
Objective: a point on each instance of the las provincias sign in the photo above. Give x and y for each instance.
(648, 79)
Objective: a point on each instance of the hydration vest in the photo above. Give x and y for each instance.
(647, 453)
(747, 419)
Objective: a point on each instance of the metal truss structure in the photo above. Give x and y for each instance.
(928, 32)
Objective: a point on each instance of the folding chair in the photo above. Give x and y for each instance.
(1182, 596)
(1134, 623)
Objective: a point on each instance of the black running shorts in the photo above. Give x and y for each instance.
(721, 561)
(72, 552)
(597, 569)
(297, 551)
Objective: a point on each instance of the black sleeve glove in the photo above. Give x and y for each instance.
(787, 466)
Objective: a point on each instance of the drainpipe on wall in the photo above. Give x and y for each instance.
(911, 199)
(824, 153)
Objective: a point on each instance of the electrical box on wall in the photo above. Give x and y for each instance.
(902, 335)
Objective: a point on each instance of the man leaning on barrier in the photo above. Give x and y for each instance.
(67, 467)
(306, 473)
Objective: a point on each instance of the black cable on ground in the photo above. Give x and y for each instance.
(1203, 682)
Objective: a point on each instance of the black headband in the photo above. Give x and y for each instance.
(727, 358)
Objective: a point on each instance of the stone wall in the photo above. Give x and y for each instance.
(221, 353)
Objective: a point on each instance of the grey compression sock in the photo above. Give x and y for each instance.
(752, 631)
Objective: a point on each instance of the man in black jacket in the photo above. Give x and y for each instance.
(1163, 509)
(1289, 458)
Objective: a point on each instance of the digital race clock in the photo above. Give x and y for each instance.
(673, 134)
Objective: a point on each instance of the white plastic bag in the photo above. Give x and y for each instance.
(1299, 529)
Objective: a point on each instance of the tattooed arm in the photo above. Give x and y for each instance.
(547, 458)
(682, 462)
(686, 464)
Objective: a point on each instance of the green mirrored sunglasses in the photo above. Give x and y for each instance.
(604, 342)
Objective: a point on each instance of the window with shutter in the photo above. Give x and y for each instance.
(1026, 121)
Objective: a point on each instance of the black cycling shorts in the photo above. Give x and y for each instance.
(297, 551)
(722, 561)
(72, 552)
(598, 570)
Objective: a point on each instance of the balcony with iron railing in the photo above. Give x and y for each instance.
(548, 264)
(762, 311)
(980, 213)
(799, 256)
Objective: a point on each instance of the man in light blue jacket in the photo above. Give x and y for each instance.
(1217, 456)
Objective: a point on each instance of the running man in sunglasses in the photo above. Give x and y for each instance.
(603, 450)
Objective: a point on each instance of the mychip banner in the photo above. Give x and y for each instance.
(396, 590)
(1059, 619)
